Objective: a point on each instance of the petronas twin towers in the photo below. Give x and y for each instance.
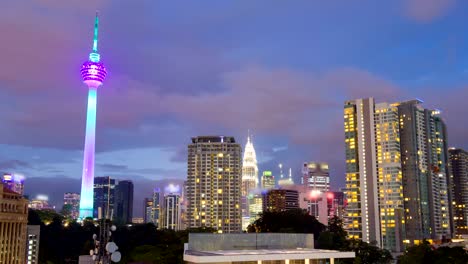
(249, 168)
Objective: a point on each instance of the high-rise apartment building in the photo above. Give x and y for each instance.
(156, 210)
(13, 222)
(362, 220)
(171, 215)
(389, 176)
(396, 164)
(104, 197)
(148, 210)
(280, 200)
(268, 180)
(14, 182)
(124, 202)
(315, 176)
(71, 204)
(458, 171)
(424, 167)
(32, 247)
(214, 180)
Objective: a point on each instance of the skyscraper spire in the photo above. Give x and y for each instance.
(249, 167)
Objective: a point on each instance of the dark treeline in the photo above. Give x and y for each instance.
(62, 241)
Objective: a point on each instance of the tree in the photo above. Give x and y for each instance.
(66, 210)
(334, 237)
(368, 254)
(424, 253)
(421, 253)
(289, 221)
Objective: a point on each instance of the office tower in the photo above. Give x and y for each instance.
(104, 197)
(32, 247)
(41, 202)
(389, 176)
(156, 211)
(424, 168)
(14, 182)
(171, 215)
(124, 202)
(13, 222)
(458, 160)
(280, 200)
(249, 168)
(214, 183)
(315, 176)
(268, 181)
(93, 73)
(148, 210)
(362, 220)
(71, 204)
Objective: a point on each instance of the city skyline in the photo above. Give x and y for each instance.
(150, 112)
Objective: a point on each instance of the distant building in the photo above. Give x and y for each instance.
(138, 220)
(268, 181)
(214, 183)
(104, 197)
(32, 247)
(171, 215)
(71, 201)
(249, 169)
(156, 211)
(315, 176)
(124, 202)
(459, 178)
(183, 208)
(255, 206)
(14, 182)
(280, 200)
(13, 222)
(148, 210)
(286, 182)
(336, 204)
(40, 203)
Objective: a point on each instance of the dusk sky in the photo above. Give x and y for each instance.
(179, 69)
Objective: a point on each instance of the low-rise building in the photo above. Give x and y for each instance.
(258, 248)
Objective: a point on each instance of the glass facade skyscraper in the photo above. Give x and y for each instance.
(104, 197)
(124, 202)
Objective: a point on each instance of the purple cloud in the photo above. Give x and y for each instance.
(425, 11)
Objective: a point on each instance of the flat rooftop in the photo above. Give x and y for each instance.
(262, 254)
(225, 248)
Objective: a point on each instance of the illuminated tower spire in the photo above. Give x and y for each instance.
(93, 73)
(249, 168)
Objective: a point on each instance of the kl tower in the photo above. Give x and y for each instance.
(93, 74)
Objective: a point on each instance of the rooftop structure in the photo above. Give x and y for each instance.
(257, 248)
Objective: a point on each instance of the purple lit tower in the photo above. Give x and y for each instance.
(93, 74)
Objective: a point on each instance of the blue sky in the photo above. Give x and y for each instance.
(179, 69)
